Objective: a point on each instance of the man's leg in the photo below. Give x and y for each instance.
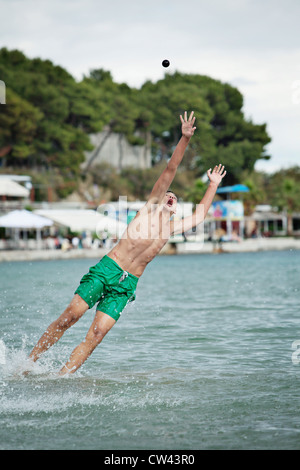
(100, 327)
(54, 332)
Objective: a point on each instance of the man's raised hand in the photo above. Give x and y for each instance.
(187, 128)
(217, 174)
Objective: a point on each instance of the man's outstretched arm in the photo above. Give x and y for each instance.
(167, 176)
(215, 178)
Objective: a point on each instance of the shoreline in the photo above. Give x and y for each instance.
(250, 245)
(245, 246)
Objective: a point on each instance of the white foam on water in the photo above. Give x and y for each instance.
(42, 390)
(16, 363)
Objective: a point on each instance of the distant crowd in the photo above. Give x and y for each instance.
(59, 242)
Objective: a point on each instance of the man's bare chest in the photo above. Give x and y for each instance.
(151, 226)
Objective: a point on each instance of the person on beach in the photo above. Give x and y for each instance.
(112, 282)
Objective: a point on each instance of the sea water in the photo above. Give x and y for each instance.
(205, 358)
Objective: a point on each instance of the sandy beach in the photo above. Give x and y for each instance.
(249, 245)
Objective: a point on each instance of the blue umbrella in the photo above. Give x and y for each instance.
(236, 188)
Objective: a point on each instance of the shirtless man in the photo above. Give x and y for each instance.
(112, 282)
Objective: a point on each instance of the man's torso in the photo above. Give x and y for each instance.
(143, 239)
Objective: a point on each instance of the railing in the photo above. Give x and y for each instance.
(7, 206)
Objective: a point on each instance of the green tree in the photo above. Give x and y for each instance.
(223, 134)
(257, 182)
(37, 127)
(196, 192)
(284, 192)
(19, 121)
(49, 116)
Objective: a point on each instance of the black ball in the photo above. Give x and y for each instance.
(165, 63)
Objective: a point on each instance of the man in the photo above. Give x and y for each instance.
(112, 282)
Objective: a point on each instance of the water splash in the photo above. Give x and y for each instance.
(15, 363)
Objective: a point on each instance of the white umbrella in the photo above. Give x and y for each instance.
(12, 189)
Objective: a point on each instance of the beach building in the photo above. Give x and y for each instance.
(296, 223)
(265, 222)
(226, 219)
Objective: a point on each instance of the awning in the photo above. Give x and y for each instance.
(262, 216)
(24, 220)
(79, 220)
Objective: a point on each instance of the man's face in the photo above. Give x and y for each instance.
(170, 202)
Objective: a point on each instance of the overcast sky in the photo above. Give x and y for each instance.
(251, 44)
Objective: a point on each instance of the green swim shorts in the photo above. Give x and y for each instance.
(110, 286)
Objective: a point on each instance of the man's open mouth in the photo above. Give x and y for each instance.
(170, 202)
